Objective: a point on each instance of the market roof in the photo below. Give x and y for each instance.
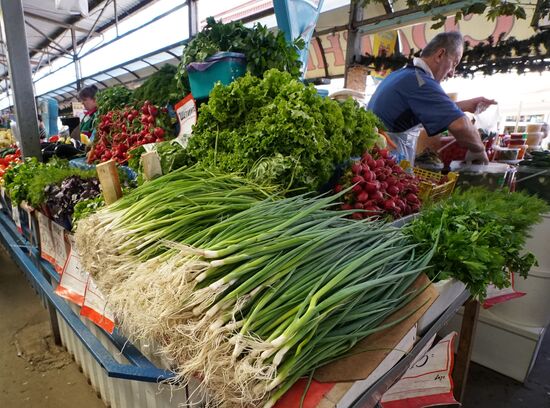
(49, 29)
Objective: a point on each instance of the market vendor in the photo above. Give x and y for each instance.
(87, 97)
(412, 98)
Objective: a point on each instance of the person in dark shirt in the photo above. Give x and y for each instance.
(412, 97)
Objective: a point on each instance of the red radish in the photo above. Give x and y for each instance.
(346, 206)
(358, 206)
(158, 132)
(380, 163)
(383, 153)
(356, 188)
(383, 185)
(337, 188)
(389, 205)
(392, 190)
(356, 168)
(371, 163)
(369, 175)
(372, 186)
(362, 197)
(412, 198)
(357, 216)
(376, 196)
(357, 179)
(153, 110)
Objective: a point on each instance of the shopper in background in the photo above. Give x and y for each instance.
(41, 128)
(87, 97)
(412, 97)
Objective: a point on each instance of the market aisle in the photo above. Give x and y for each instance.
(45, 376)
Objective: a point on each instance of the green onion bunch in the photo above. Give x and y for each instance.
(248, 291)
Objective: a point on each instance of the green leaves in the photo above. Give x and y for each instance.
(113, 98)
(280, 130)
(160, 88)
(263, 48)
(482, 236)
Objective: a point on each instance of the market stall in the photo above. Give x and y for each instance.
(277, 254)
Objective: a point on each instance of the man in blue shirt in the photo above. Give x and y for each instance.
(412, 97)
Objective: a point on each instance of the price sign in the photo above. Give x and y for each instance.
(47, 249)
(72, 285)
(60, 250)
(16, 217)
(186, 110)
(95, 307)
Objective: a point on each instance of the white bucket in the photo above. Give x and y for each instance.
(533, 309)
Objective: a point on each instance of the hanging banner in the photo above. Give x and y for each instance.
(383, 43)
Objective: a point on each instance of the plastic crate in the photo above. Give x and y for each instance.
(427, 191)
(224, 67)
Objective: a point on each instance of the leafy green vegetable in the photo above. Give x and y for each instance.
(87, 207)
(160, 88)
(113, 98)
(481, 235)
(280, 127)
(264, 49)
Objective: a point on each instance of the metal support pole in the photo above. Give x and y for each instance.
(193, 18)
(13, 27)
(116, 17)
(76, 61)
(354, 39)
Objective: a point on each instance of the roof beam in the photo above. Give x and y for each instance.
(93, 26)
(58, 23)
(59, 47)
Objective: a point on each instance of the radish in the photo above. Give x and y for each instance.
(371, 163)
(337, 188)
(356, 168)
(389, 205)
(383, 185)
(362, 197)
(356, 188)
(392, 190)
(358, 206)
(377, 196)
(369, 175)
(357, 179)
(372, 186)
(380, 163)
(357, 216)
(346, 206)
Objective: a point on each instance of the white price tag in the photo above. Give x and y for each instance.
(60, 249)
(72, 285)
(186, 110)
(95, 307)
(47, 249)
(16, 217)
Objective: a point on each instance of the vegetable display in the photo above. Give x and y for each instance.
(61, 199)
(279, 131)
(113, 98)
(480, 235)
(160, 88)
(30, 180)
(379, 187)
(122, 130)
(245, 290)
(263, 48)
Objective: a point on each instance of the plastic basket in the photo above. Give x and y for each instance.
(427, 191)
(224, 67)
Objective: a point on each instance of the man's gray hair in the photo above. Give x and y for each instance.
(451, 42)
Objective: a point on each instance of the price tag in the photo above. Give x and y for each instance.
(60, 249)
(149, 147)
(16, 217)
(95, 307)
(186, 110)
(72, 285)
(47, 250)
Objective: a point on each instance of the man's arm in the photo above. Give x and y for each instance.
(478, 104)
(467, 136)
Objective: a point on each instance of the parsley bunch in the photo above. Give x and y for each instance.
(480, 235)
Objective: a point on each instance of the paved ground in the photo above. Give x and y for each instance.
(33, 371)
(489, 389)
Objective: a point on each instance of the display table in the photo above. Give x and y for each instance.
(127, 375)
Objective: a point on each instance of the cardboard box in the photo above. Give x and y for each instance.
(339, 384)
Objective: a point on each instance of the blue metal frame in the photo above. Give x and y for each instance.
(25, 255)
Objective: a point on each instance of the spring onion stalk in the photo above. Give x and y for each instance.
(248, 290)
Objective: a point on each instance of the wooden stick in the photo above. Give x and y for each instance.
(110, 183)
(151, 165)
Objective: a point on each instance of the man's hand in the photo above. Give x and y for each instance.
(476, 157)
(475, 105)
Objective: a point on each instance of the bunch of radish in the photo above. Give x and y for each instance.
(120, 131)
(379, 187)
